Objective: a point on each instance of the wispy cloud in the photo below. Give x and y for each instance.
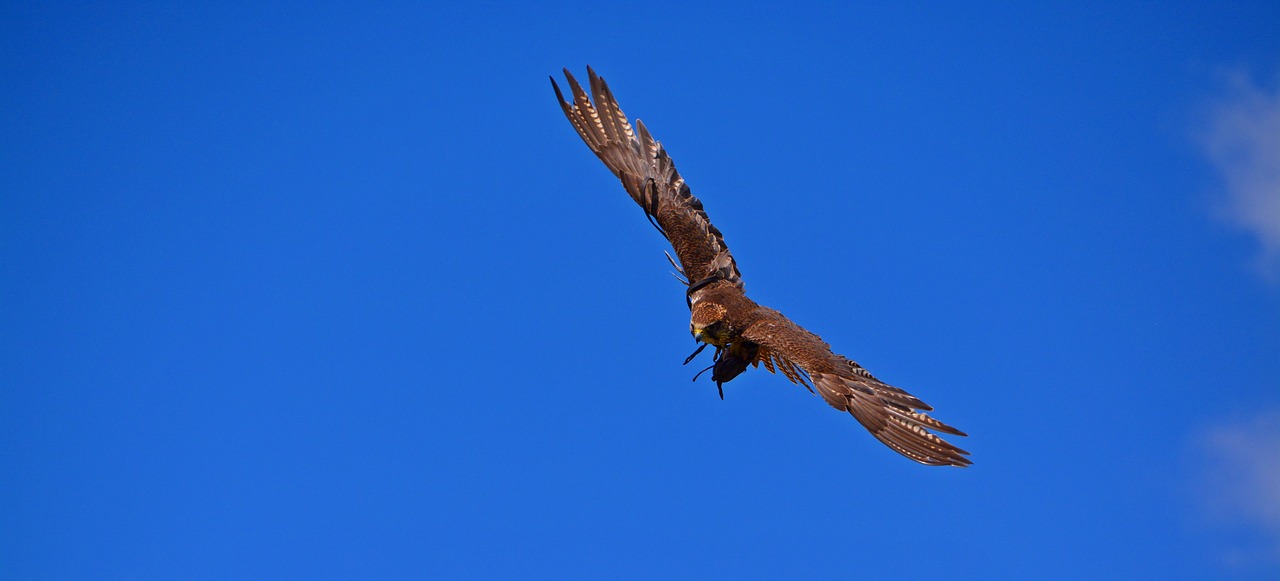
(1243, 142)
(1242, 487)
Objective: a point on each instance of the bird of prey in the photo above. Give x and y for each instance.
(743, 332)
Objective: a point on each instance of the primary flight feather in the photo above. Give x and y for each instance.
(743, 332)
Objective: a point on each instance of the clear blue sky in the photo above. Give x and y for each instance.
(302, 292)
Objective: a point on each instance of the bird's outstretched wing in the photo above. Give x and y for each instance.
(892, 415)
(649, 175)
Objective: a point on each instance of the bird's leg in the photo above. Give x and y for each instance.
(715, 360)
(699, 374)
(695, 354)
(718, 358)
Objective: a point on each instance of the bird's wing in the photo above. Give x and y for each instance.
(892, 415)
(649, 175)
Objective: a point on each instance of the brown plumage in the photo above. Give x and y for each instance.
(743, 332)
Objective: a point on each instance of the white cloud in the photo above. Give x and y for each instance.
(1242, 486)
(1243, 142)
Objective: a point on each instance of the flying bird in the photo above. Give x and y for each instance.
(743, 333)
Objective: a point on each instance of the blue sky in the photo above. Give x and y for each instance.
(306, 292)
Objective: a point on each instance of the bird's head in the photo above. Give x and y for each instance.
(707, 324)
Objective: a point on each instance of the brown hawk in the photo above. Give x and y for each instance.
(743, 332)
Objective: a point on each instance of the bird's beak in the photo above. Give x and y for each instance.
(699, 335)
